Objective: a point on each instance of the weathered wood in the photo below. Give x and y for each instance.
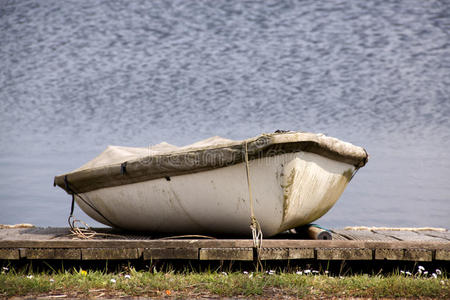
(418, 255)
(403, 235)
(53, 254)
(408, 245)
(23, 252)
(221, 244)
(109, 253)
(36, 233)
(344, 254)
(336, 236)
(301, 253)
(363, 235)
(442, 255)
(274, 253)
(389, 254)
(9, 254)
(54, 243)
(272, 243)
(404, 254)
(444, 235)
(121, 243)
(171, 253)
(226, 254)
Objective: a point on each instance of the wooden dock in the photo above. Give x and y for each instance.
(365, 245)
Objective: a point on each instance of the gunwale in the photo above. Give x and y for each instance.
(193, 160)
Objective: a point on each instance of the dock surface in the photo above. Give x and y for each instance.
(346, 244)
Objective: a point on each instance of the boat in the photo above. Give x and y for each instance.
(284, 180)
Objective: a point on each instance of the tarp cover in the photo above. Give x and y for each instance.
(123, 165)
(119, 154)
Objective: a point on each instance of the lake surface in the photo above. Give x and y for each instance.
(76, 76)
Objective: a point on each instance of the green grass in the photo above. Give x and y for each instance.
(79, 283)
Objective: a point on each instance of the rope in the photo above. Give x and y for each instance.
(254, 224)
(84, 232)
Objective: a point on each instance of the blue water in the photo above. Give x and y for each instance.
(76, 76)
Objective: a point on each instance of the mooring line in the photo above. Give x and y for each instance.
(254, 224)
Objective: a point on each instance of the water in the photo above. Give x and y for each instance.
(76, 76)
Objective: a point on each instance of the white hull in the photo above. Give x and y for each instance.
(288, 190)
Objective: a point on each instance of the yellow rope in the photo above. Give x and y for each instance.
(254, 225)
(85, 232)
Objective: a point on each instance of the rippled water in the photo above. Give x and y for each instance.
(76, 76)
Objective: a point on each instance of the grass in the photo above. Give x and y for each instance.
(90, 283)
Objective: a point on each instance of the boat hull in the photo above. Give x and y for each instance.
(288, 190)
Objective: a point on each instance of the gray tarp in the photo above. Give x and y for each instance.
(124, 165)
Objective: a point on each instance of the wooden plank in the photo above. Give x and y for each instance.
(35, 233)
(363, 235)
(344, 254)
(9, 254)
(226, 254)
(404, 254)
(109, 253)
(24, 234)
(53, 254)
(225, 243)
(336, 236)
(442, 255)
(418, 255)
(63, 233)
(120, 243)
(23, 252)
(170, 253)
(408, 245)
(274, 253)
(301, 253)
(244, 243)
(443, 235)
(403, 235)
(312, 244)
(389, 254)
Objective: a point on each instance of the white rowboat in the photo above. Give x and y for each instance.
(294, 179)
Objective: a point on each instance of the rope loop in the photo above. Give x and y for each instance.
(83, 232)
